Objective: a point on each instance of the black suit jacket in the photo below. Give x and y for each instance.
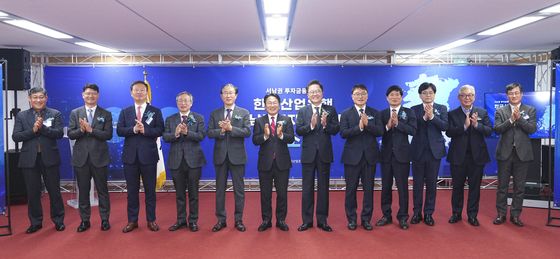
(460, 138)
(429, 133)
(395, 141)
(46, 137)
(360, 142)
(521, 129)
(94, 144)
(273, 146)
(185, 146)
(318, 139)
(143, 146)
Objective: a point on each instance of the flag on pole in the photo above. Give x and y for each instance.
(161, 177)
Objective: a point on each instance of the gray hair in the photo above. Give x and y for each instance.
(35, 90)
(183, 93)
(464, 88)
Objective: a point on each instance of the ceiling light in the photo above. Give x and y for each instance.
(3, 14)
(553, 9)
(95, 46)
(451, 45)
(511, 25)
(276, 6)
(276, 26)
(38, 29)
(276, 45)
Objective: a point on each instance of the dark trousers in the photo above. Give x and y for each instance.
(308, 191)
(186, 178)
(518, 169)
(132, 174)
(51, 177)
(352, 175)
(280, 180)
(237, 174)
(400, 172)
(459, 174)
(425, 171)
(99, 175)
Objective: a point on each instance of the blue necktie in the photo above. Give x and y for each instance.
(90, 116)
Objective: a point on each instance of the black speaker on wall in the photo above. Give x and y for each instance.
(19, 68)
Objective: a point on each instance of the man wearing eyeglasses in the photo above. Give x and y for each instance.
(140, 125)
(360, 125)
(184, 130)
(316, 123)
(429, 147)
(468, 153)
(514, 122)
(229, 125)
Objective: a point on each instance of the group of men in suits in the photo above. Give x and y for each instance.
(142, 124)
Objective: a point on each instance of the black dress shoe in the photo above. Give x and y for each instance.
(352, 225)
(130, 226)
(264, 226)
(367, 226)
(153, 226)
(473, 221)
(282, 225)
(59, 227)
(193, 227)
(499, 220)
(455, 218)
(105, 225)
(516, 221)
(84, 225)
(416, 218)
(429, 220)
(219, 226)
(324, 227)
(384, 221)
(177, 225)
(239, 226)
(33, 229)
(304, 227)
(403, 224)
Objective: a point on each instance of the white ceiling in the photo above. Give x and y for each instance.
(166, 26)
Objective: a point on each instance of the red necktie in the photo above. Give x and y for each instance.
(273, 126)
(139, 113)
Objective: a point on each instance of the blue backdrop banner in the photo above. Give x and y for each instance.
(2, 168)
(65, 85)
(557, 147)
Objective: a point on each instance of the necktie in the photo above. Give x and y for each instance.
(139, 113)
(394, 112)
(317, 111)
(361, 111)
(184, 119)
(228, 115)
(273, 126)
(90, 115)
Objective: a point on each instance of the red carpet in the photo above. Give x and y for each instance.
(444, 240)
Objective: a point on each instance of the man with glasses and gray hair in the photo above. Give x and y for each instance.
(468, 153)
(184, 130)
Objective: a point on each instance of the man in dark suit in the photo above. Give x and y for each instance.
(514, 122)
(229, 126)
(273, 133)
(184, 130)
(468, 153)
(39, 128)
(360, 125)
(400, 122)
(91, 126)
(316, 123)
(429, 147)
(140, 125)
